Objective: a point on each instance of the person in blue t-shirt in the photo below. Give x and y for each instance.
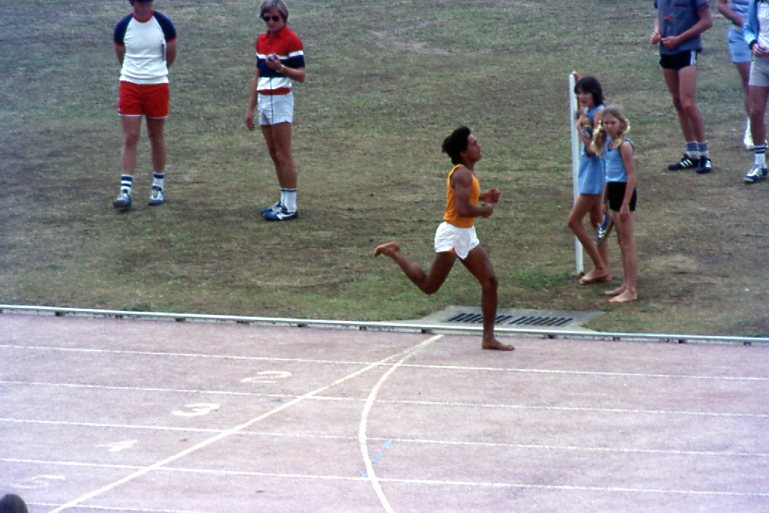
(677, 30)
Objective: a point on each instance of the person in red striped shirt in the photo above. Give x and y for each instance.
(279, 63)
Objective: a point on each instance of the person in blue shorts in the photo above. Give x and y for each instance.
(677, 30)
(756, 32)
(736, 11)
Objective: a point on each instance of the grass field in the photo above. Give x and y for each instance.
(386, 82)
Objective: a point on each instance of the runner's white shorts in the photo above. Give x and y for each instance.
(461, 240)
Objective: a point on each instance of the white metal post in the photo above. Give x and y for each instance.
(578, 256)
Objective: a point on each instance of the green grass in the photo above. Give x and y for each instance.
(386, 82)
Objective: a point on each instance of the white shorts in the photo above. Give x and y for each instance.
(276, 108)
(759, 72)
(461, 240)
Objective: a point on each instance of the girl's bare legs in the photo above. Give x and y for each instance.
(586, 203)
(628, 290)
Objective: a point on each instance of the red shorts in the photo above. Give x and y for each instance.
(150, 100)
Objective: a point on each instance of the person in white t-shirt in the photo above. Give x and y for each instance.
(145, 45)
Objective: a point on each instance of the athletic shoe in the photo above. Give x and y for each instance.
(747, 140)
(123, 201)
(755, 174)
(603, 230)
(704, 166)
(272, 208)
(686, 162)
(281, 214)
(157, 196)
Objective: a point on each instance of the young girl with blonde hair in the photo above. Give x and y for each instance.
(610, 140)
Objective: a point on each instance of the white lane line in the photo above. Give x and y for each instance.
(440, 404)
(362, 427)
(577, 409)
(574, 448)
(511, 370)
(431, 482)
(103, 425)
(144, 389)
(400, 440)
(121, 509)
(576, 372)
(97, 350)
(224, 434)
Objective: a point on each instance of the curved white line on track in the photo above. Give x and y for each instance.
(234, 430)
(363, 426)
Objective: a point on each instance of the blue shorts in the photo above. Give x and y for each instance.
(738, 48)
(276, 108)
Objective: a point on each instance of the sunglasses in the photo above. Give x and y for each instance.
(273, 18)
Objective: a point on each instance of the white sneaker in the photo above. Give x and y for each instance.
(755, 174)
(157, 196)
(747, 140)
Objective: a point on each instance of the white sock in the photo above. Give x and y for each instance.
(158, 179)
(288, 199)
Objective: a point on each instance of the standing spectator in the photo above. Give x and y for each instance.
(677, 30)
(735, 11)
(279, 61)
(455, 237)
(756, 32)
(145, 44)
(591, 179)
(612, 142)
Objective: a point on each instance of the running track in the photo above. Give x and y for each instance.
(103, 415)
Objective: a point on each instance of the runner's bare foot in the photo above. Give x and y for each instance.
(625, 297)
(387, 248)
(595, 276)
(614, 292)
(497, 345)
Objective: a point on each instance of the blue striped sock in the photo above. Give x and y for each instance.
(759, 155)
(691, 149)
(158, 179)
(126, 182)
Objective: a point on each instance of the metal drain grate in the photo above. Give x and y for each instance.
(512, 320)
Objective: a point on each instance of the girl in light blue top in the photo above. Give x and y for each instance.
(590, 180)
(611, 142)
